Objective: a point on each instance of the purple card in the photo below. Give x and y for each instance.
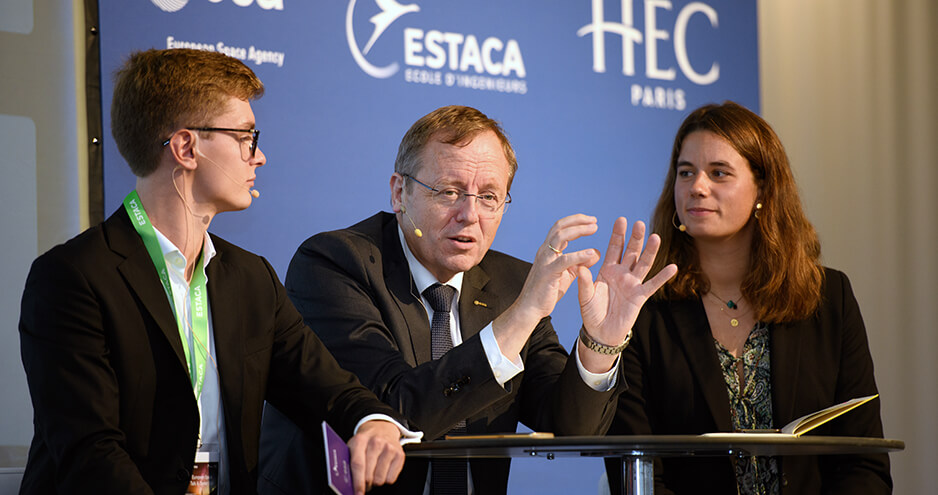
(338, 470)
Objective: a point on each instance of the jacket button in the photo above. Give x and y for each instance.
(183, 475)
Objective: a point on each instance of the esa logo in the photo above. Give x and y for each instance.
(176, 5)
(436, 57)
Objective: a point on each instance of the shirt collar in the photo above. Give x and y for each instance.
(175, 261)
(422, 277)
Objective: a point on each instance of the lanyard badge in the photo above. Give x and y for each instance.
(196, 355)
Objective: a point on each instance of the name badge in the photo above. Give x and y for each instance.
(205, 474)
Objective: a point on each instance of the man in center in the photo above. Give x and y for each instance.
(454, 336)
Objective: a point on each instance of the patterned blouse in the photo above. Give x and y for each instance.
(751, 407)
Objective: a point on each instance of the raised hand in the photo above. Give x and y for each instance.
(551, 275)
(554, 270)
(610, 305)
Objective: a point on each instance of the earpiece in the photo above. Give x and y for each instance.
(674, 219)
(417, 232)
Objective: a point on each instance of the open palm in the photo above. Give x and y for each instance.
(610, 305)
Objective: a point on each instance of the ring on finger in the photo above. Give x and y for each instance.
(552, 248)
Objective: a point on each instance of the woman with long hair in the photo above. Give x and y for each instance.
(753, 332)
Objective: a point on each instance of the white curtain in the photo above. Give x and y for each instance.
(850, 87)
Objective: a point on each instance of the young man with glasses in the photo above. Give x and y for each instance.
(454, 335)
(150, 345)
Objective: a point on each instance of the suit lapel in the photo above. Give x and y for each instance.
(142, 278)
(226, 307)
(401, 286)
(477, 308)
(786, 340)
(693, 331)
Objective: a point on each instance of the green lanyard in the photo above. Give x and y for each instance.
(196, 357)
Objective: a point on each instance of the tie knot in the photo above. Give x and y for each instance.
(440, 297)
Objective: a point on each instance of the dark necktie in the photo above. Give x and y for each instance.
(448, 476)
(440, 298)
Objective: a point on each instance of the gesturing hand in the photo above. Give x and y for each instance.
(551, 275)
(610, 305)
(553, 270)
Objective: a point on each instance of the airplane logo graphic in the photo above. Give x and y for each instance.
(170, 5)
(391, 10)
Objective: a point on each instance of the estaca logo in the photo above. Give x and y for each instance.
(177, 5)
(439, 58)
(390, 12)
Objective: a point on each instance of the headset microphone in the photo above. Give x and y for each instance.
(254, 192)
(674, 220)
(417, 232)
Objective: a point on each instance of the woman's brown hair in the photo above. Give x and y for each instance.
(785, 275)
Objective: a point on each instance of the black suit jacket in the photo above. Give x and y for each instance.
(113, 406)
(355, 289)
(678, 388)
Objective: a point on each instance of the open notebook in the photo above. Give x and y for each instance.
(811, 421)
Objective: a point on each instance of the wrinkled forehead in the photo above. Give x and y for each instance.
(479, 161)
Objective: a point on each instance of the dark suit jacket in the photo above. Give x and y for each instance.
(113, 406)
(355, 289)
(677, 387)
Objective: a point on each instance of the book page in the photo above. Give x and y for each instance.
(803, 424)
(811, 421)
(533, 434)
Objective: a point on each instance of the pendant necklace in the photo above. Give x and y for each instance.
(734, 320)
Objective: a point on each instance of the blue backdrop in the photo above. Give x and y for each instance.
(589, 91)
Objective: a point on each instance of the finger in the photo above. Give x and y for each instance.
(616, 241)
(634, 248)
(573, 259)
(397, 464)
(572, 220)
(570, 266)
(654, 283)
(382, 464)
(566, 278)
(584, 284)
(562, 238)
(358, 463)
(647, 258)
(568, 229)
(371, 460)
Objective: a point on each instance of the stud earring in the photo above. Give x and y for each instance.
(758, 207)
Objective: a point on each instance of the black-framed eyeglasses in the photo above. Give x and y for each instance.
(255, 135)
(489, 204)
